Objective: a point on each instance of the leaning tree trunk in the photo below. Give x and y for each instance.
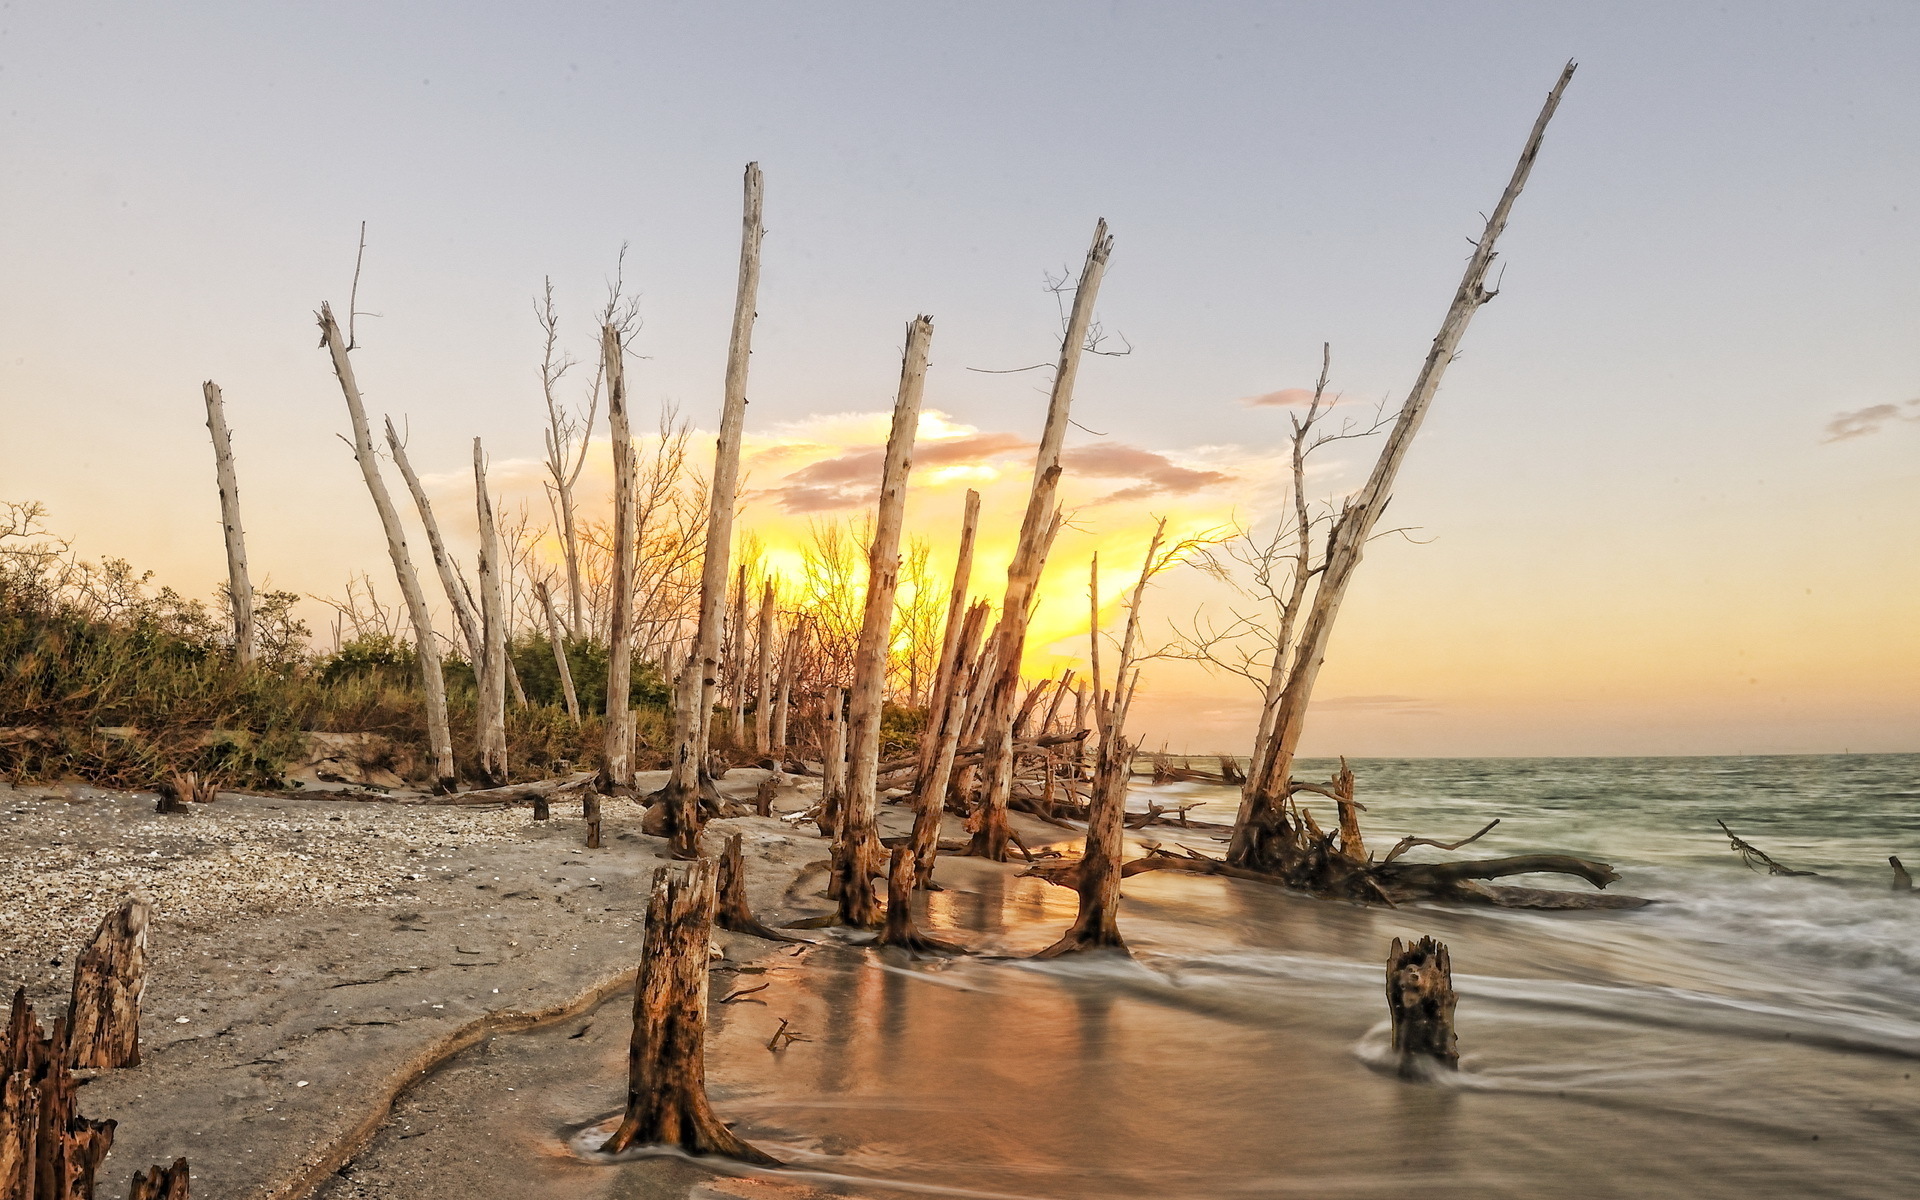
(239, 586)
(617, 770)
(943, 736)
(557, 639)
(1266, 794)
(450, 582)
(1420, 1000)
(950, 632)
(432, 678)
(699, 678)
(491, 667)
(1023, 573)
(856, 857)
(109, 978)
(666, 1060)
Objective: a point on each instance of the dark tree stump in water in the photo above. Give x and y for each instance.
(103, 1013)
(1420, 999)
(666, 1060)
(162, 1183)
(899, 929)
(733, 911)
(1902, 882)
(48, 1151)
(590, 809)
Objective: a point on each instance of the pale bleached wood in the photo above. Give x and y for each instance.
(1354, 526)
(857, 849)
(944, 737)
(699, 677)
(558, 641)
(833, 769)
(617, 767)
(1029, 557)
(950, 633)
(490, 669)
(426, 652)
(737, 665)
(783, 689)
(239, 584)
(763, 677)
(450, 581)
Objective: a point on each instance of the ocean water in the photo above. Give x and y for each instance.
(1747, 1035)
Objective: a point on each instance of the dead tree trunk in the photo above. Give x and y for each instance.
(737, 666)
(900, 930)
(161, 1183)
(450, 581)
(109, 977)
(1420, 1000)
(1029, 557)
(733, 911)
(856, 855)
(943, 736)
(1262, 837)
(699, 678)
(833, 771)
(48, 1151)
(763, 676)
(783, 697)
(617, 769)
(491, 666)
(590, 813)
(239, 585)
(666, 1060)
(559, 644)
(432, 678)
(950, 632)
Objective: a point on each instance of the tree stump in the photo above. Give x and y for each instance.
(733, 911)
(541, 810)
(763, 796)
(1420, 1000)
(899, 929)
(103, 1013)
(162, 1183)
(1902, 882)
(666, 1060)
(48, 1151)
(590, 809)
(181, 789)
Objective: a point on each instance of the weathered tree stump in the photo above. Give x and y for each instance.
(899, 929)
(733, 911)
(666, 1060)
(48, 1151)
(103, 1013)
(1902, 882)
(1420, 1000)
(590, 810)
(541, 810)
(181, 789)
(763, 796)
(161, 1183)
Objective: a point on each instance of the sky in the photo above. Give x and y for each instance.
(1666, 501)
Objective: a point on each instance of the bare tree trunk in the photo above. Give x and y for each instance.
(733, 911)
(763, 677)
(450, 581)
(109, 977)
(239, 586)
(1267, 787)
(857, 848)
(833, 767)
(1029, 557)
(1420, 1000)
(900, 930)
(491, 668)
(943, 735)
(558, 641)
(700, 676)
(666, 1061)
(432, 678)
(783, 697)
(617, 772)
(950, 633)
(737, 667)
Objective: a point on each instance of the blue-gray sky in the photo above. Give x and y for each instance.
(1625, 475)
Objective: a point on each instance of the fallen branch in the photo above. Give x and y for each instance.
(1755, 857)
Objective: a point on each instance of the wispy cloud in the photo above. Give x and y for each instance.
(1863, 421)
(1158, 474)
(1284, 398)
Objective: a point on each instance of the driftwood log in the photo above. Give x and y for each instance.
(1755, 857)
(109, 977)
(161, 1183)
(1420, 1000)
(666, 1060)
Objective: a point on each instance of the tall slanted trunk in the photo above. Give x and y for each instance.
(950, 635)
(239, 586)
(1029, 557)
(857, 849)
(558, 641)
(1265, 796)
(491, 669)
(617, 770)
(450, 580)
(432, 678)
(699, 677)
(943, 736)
